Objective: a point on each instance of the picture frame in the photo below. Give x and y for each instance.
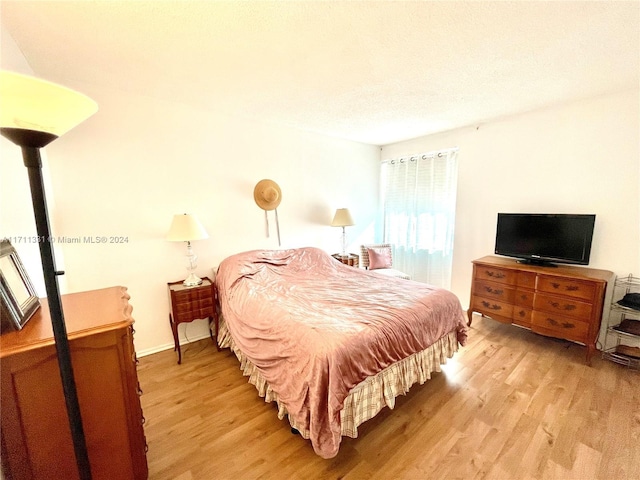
(18, 297)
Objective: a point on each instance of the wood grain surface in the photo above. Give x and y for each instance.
(511, 404)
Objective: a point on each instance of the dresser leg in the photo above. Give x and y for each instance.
(470, 316)
(591, 349)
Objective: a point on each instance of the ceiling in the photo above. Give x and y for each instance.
(375, 72)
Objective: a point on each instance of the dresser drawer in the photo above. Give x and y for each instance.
(526, 280)
(494, 290)
(559, 326)
(570, 288)
(522, 316)
(563, 306)
(523, 298)
(493, 274)
(493, 308)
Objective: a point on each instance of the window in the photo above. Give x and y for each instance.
(418, 213)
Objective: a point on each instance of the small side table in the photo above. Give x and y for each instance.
(192, 303)
(351, 259)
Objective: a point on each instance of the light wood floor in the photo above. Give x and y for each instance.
(509, 405)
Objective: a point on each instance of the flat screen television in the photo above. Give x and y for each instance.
(545, 239)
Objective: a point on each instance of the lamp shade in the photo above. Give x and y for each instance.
(185, 227)
(32, 104)
(342, 218)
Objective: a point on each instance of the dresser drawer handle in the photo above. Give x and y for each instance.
(568, 288)
(493, 290)
(494, 274)
(567, 307)
(491, 307)
(555, 323)
(522, 313)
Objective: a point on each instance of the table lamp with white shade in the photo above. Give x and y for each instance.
(186, 228)
(342, 218)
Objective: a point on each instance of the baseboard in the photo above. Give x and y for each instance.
(167, 346)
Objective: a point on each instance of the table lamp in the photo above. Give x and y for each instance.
(186, 228)
(343, 218)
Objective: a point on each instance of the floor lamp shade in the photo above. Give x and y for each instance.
(30, 104)
(33, 113)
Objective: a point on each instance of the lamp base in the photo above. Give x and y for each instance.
(192, 280)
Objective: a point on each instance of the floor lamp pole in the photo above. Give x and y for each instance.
(33, 162)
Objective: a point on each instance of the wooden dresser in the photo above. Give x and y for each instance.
(36, 439)
(563, 302)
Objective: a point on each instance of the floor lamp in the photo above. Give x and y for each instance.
(33, 113)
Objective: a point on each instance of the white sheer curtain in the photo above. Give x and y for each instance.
(419, 204)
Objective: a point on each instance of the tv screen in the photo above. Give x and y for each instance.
(545, 238)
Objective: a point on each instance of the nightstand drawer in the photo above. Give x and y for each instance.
(191, 315)
(186, 296)
(195, 304)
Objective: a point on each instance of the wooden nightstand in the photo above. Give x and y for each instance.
(192, 303)
(351, 259)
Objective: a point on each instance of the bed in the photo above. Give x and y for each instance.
(330, 343)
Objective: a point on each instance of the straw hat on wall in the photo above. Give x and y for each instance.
(267, 194)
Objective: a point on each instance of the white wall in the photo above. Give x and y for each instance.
(128, 169)
(582, 157)
(139, 160)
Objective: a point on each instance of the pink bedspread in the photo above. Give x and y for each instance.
(315, 328)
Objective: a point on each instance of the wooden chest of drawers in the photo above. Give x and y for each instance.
(36, 438)
(564, 302)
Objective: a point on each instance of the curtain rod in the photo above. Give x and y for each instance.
(433, 153)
